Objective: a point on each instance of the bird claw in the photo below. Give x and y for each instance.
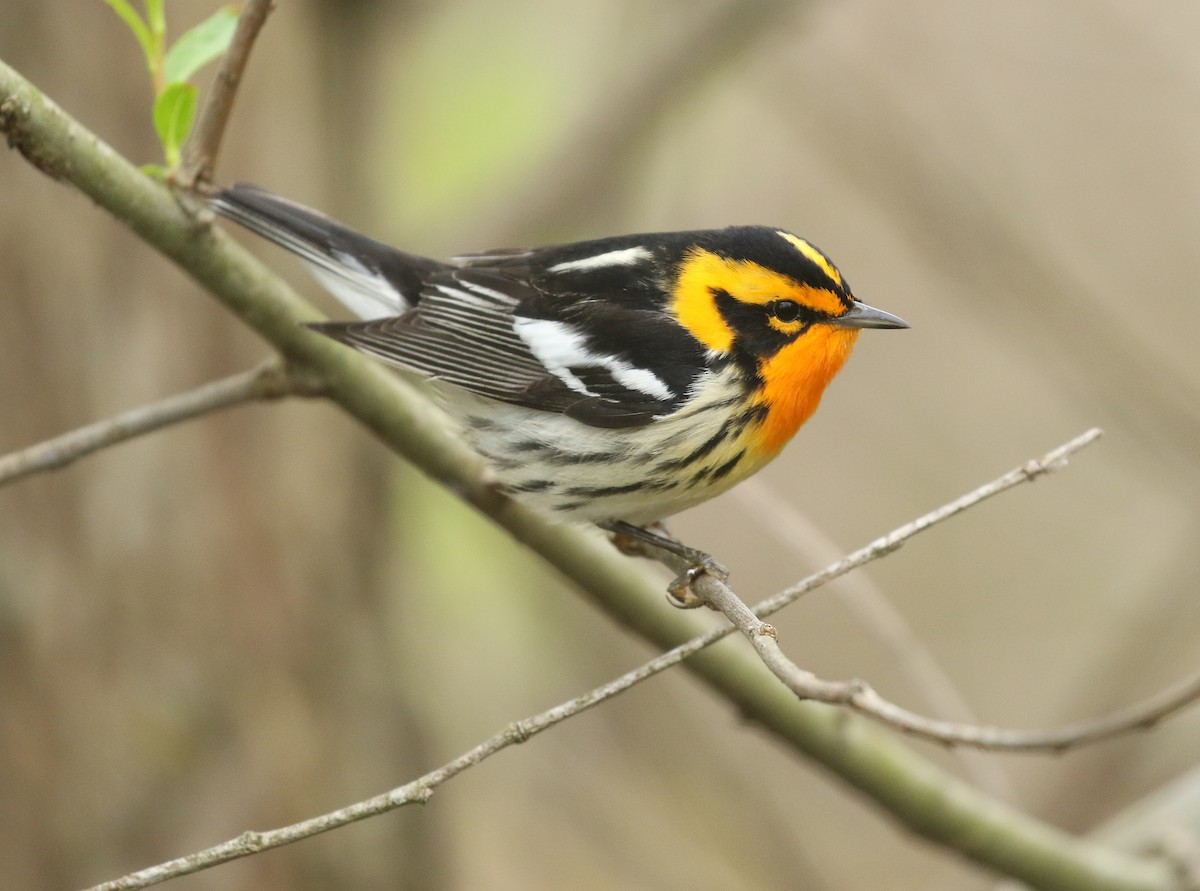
(680, 593)
(631, 539)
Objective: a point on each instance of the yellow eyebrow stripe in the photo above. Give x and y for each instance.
(813, 254)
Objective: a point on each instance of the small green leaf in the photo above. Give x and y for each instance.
(139, 28)
(200, 45)
(154, 171)
(174, 111)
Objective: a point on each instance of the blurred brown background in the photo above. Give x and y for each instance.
(263, 615)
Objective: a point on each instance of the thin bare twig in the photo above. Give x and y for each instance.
(200, 152)
(269, 381)
(860, 696)
(418, 791)
(1027, 472)
(875, 612)
(803, 536)
(421, 790)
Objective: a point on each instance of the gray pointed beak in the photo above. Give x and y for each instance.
(859, 315)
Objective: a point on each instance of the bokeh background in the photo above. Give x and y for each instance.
(263, 615)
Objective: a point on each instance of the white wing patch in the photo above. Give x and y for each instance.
(624, 257)
(640, 379)
(559, 348)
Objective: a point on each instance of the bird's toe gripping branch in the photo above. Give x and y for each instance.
(657, 543)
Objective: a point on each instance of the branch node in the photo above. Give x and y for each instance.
(251, 841)
(414, 793)
(13, 117)
(519, 732)
(886, 547)
(292, 379)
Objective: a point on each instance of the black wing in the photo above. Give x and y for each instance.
(493, 333)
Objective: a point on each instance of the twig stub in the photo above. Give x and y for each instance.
(200, 152)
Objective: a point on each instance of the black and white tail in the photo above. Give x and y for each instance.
(370, 278)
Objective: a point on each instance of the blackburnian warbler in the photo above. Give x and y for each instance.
(615, 381)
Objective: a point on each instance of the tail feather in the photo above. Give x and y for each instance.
(370, 278)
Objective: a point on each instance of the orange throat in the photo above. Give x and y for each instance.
(794, 379)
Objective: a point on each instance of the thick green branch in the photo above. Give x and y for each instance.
(935, 804)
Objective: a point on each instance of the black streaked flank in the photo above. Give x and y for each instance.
(697, 453)
(564, 458)
(602, 491)
(609, 491)
(728, 401)
(712, 474)
(754, 415)
(529, 445)
(530, 486)
(725, 468)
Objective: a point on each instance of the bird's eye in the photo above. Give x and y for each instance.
(785, 310)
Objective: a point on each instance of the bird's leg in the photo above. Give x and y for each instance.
(631, 539)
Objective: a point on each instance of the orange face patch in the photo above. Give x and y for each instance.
(795, 378)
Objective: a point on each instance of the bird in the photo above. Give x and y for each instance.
(613, 381)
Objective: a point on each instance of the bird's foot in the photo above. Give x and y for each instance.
(636, 540)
